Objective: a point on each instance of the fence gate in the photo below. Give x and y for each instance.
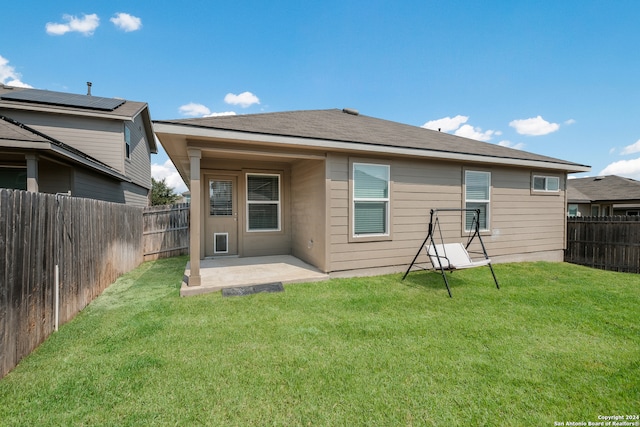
(166, 231)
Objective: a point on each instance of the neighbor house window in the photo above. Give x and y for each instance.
(127, 142)
(370, 199)
(573, 210)
(13, 178)
(477, 196)
(546, 183)
(595, 210)
(263, 202)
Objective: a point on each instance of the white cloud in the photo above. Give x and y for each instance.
(469, 131)
(194, 110)
(245, 99)
(9, 76)
(569, 122)
(85, 25)
(168, 172)
(509, 144)
(126, 22)
(626, 168)
(224, 113)
(534, 126)
(630, 149)
(446, 124)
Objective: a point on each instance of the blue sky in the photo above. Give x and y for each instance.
(558, 78)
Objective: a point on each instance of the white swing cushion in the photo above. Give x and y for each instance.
(453, 256)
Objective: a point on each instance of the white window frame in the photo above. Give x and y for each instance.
(546, 184)
(386, 200)
(487, 201)
(262, 202)
(573, 207)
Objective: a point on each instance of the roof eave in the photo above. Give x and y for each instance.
(74, 112)
(299, 142)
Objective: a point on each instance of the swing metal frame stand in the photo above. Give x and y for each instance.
(475, 226)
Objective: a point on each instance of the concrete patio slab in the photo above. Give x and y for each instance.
(227, 272)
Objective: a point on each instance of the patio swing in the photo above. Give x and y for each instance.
(452, 256)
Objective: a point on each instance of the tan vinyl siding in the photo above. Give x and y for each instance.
(138, 167)
(308, 212)
(522, 225)
(99, 138)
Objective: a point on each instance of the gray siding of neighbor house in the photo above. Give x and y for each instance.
(308, 212)
(138, 167)
(54, 177)
(99, 138)
(95, 186)
(524, 226)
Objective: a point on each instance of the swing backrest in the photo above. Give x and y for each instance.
(452, 256)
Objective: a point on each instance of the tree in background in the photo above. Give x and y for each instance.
(161, 193)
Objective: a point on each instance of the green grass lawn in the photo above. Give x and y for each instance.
(556, 343)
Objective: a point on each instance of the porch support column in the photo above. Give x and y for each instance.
(195, 211)
(32, 172)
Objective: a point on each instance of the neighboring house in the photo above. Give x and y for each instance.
(81, 145)
(343, 191)
(603, 196)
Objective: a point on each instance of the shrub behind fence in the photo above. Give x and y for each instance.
(607, 243)
(91, 242)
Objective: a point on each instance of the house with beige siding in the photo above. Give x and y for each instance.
(346, 192)
(82, 145)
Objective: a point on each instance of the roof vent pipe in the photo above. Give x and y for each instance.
(89, 84)
(350, 111)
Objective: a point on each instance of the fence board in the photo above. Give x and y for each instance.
(92, 242)
(166, 231)
(608, 243)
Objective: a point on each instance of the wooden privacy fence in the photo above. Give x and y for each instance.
(607, 243)
(59, 253)
(166, 231)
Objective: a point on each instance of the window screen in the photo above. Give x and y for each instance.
(477, 196)
(370, 199)
(263, 202)
(546, 183)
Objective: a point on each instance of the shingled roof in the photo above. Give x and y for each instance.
(351, 127)
(18, 98)
(602, 188)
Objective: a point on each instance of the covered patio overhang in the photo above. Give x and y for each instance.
(193, 155)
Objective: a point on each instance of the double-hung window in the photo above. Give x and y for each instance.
(263, 202)
(370, 199)
(477, 195)
(546, 183)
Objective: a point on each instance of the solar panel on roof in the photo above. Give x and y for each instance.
(64, 99)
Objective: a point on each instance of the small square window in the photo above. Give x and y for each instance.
(546, 183)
